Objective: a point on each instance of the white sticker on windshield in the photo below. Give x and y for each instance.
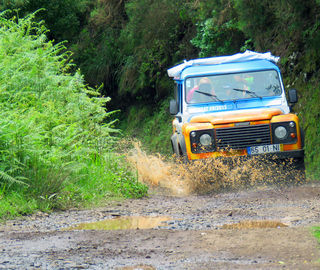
(273, 102)
(207, 109)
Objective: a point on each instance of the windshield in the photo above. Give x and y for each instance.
(220, 88)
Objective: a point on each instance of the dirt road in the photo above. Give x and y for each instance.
(274, 233)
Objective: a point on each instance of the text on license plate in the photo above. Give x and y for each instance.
(262, 149)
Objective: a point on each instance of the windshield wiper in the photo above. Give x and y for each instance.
(210, 95)
(247, 91)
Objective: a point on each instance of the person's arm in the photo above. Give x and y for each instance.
(191, 92)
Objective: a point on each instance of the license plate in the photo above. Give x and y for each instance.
(263, 149)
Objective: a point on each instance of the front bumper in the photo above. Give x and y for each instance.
(299, 153)
(286, 154)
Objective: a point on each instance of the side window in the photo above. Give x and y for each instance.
(176, 96)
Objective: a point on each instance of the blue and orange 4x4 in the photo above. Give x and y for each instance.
(234, 105)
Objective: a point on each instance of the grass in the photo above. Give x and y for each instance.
(101, 180)
(15, 204)
(316, 232)
(150, 125)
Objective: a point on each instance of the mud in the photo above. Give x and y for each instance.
(201, 216)
(195, 236)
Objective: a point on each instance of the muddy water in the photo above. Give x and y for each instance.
(155, 171)
(123, 223)
(147, 222)
(254, 224)
(204, 176)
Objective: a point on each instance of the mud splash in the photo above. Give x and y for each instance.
(123, 223)
(208, 175)
(258, 224)
(154, 170)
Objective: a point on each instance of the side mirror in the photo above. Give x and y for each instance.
(293, 96)
(174, 109)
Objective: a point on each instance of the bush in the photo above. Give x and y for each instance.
(52, 126)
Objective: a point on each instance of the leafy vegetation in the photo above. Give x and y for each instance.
(151, 126)
(316, 233)
(64, 18)
(56, 135)
(217, 31)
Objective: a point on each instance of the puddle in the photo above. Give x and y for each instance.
(254, 225)
(123, 223)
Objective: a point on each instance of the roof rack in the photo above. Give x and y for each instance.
(239, 57)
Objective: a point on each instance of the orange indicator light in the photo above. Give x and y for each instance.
(293, 135)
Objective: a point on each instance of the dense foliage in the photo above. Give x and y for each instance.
(64, 18)
(127, 45)
(56, 135)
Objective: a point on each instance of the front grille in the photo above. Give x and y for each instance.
(241, 137)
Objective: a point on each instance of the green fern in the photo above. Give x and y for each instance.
(52, 125)
(11, 180)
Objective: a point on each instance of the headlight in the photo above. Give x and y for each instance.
(280, 132)
(202, 141)
(205, 139)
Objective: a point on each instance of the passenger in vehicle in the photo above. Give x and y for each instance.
(203, 92)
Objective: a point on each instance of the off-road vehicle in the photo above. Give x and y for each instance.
(234, 106)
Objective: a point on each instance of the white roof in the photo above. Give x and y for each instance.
(239, 57)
